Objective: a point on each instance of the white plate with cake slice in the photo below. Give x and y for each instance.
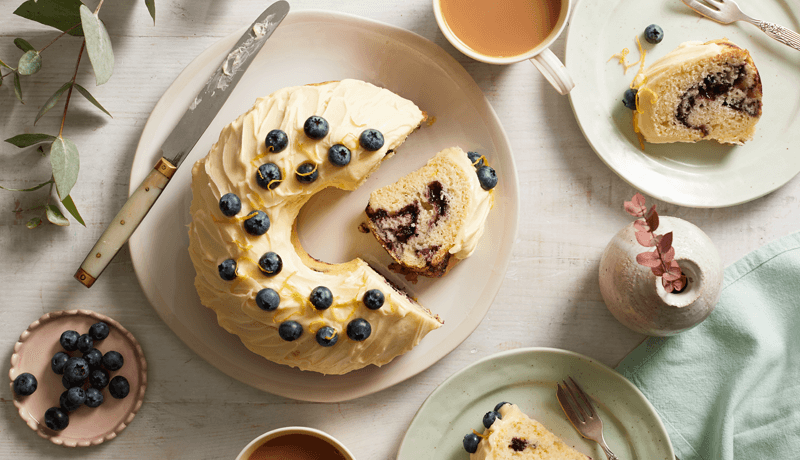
(704, 174)
(528, 378)
(311, 47)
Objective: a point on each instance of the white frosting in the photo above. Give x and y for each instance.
(350, 107)
(479, 205)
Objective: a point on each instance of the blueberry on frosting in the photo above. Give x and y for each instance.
(339, 155)
(371, 140)
(230, 204)
(290, 330)
(307, 173)
(316, 127)
(359, 329)
(629, 98)
(373, 299)
(269, 176)
(490, 417)
(276, 141)
(257, 223)
(227, 269)
(270, 263)
(487, 177)
(476, 159)
(327, 336)
(321, 298)
(471, 442)
(268, 299)
(499, 405)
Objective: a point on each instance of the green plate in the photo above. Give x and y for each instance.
(528, 377)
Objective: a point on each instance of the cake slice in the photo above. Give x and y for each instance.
(514, 435)
(699, 91)
(433, 217)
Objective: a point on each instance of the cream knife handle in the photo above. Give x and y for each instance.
(125, 222)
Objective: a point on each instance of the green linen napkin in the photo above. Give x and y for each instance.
(730, 387)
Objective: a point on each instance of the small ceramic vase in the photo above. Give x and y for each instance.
(636, 297)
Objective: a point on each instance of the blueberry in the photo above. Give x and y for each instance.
(99, 331)
(339, 155)
(257, 223)
(327, 336)
(25, 384)
(359, 329)
(268, 299)
(72, 399)
(371, 140)
(321, 298)
(490, 417)
(56, 419)
(629, 98)
(93, 397)
(471, 442)
(270, 264)
(290, 330)
(113, 361)
(58, 362)
(227, 269)
(94, 358)
(653, 34)
(487, 177)
(69, 383)
(373, 299)
(85, 343)
(98, 379)
(307, 173)
(269, 176)
(499, 405)
(315, 127)
(69, 340)
(119, 387)
(476, 159)
(230, 204)
(76, 370)
(276, 141)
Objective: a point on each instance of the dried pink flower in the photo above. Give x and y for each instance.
(662, 259)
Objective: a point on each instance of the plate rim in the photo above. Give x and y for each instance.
(499, 136)
(643, 184)
(535, 351)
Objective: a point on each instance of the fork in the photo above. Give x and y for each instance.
(727, 11)
(581, 414)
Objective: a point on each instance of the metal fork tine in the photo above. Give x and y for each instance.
(567, 405)
(584, 397)
(715, 2)
(575, 402)
(703, 9)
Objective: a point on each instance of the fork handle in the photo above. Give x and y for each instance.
(610, 455)
(782, 34)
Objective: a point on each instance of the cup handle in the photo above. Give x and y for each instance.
(554, 71)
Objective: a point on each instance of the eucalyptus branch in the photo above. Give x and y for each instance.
(69, 92)
(62, 34)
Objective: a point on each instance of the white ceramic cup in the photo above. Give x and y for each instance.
(257, 442)
(541, 56)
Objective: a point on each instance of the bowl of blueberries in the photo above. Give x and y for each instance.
(78, 377)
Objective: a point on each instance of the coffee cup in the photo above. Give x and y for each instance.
(295, 443)
(508, 31)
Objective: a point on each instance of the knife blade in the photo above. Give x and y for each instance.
(181, 141)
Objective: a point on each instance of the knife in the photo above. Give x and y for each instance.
(180, 142)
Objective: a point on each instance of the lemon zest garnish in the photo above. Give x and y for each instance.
(480, 435)
(350, 141)
(242, 246)
(621, 56)
(431, 121)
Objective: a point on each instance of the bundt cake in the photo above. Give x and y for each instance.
(433, 217)
(699, 91)
(251, 269)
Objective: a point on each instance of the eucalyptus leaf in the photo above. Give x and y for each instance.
(17, 87)
(29, 63)
(61, 14)
(23, 45)
(5, 65)
(55, 216)
(91, 98)
(52, 101)
(33, 223)
(151, 7)
(27, 189)
(70, 205)
(98, 45)
(26, 140)
(65, 161)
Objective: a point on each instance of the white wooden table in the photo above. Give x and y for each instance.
(571, 202)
